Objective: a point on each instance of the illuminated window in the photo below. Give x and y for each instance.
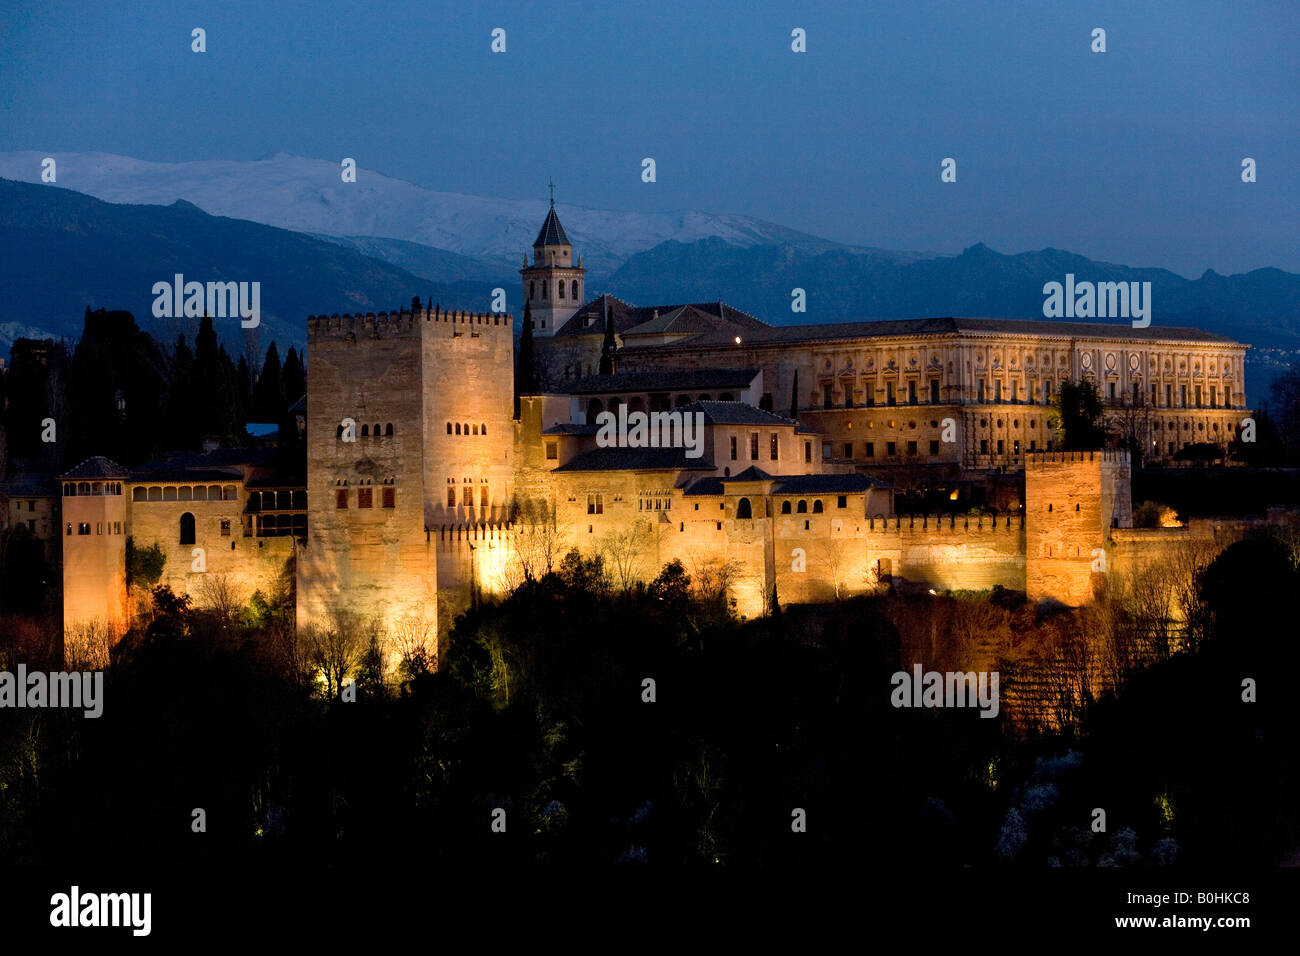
(595, 504)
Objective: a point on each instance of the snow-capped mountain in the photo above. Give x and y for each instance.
(307, 195)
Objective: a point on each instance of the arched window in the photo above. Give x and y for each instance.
(388, 430)
(785, 507)
(465, 426)
(365, 431)
(559, 290)
(83, 488)
(682, 400)
(458, 428)
(187, 528)
(69, 529)
(475, 427)
(636, 405)
(155, 493)
(575, 290)
(726, 397)
(817, 507)
(376, 431)
(340, 432)
(543, 288)
(594, 408)
(482, 428)
(449, 428)
(743, 509)
(802, 508)
(139, 494)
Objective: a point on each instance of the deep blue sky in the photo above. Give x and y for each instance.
(1130, 156)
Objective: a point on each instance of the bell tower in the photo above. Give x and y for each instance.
(553, 286)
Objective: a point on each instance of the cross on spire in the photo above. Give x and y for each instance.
(552, 187)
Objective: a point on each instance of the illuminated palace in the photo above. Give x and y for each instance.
(426, 483)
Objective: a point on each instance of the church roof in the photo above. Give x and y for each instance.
(692, 318)
(552, 233)
(735, 413)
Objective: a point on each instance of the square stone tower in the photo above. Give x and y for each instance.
(366, 551)
(1072, 500)
(94, 548)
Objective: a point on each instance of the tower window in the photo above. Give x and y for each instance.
(365, 431)
(451, 497)
(187, 528)
(390, 497)
(575, 290)
(543, 288)
(341, 499)
(364, 497)
(458, 428)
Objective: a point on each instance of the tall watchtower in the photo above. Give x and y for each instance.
(553, 285)
(1072, 500)
(94, 548)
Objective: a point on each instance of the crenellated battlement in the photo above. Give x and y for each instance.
(1116, 455)
(379, 324)
(947, 524)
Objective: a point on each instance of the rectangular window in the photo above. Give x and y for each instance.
(1169, 396)
(1214, 396)
(482, 496)
(733, 447)
(984, 446)
(1047, 393)
(826, 451)
(451, 497)
(934, 446)
(1153, 396)
(891, 449)
(848, 449)
(467, 496)
(552, 451)
(980, 398)
(1137, 393)
(774, 447)
(364, 496)
(31, 506)
(225, 527)
(889, 394)
(1014, 391)
(911, 393)
(390, 497)
(596, 503)
(807, 451)
(1198, 396)
(911, 448)
(1182, 396)
(341, 498)
(1001, 445)
(934, 391)
(31, 524)
(871, 449)
(753, 446)
(842, 501)
(1110, 391)
(826, 396)
(83, 527)
(997, 391)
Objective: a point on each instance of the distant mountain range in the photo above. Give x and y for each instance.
(308, 195)
(61, 251)
(319, 245)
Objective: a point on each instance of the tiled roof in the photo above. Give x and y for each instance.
(697, 317)
(636, 459)
(552, 233)
(27, 485)
(217, 458)
(706, 486)
(97, 467)
(216, 475)
(667, 380)
(793, 334)
(825, 484)
(735, 413)
(752, 473)
(571, 428)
